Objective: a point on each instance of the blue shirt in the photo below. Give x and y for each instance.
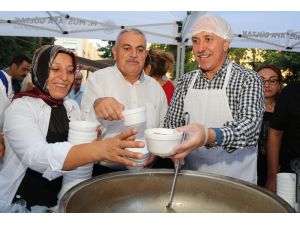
(77, 97)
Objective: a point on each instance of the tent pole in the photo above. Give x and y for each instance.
(178, 59)
(182, 59)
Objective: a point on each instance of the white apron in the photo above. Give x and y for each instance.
(211, 108)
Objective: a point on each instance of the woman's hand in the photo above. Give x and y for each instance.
(113, 149)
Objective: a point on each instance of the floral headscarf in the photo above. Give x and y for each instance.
(40, 69)
(42, 61)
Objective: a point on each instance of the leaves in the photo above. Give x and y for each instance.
(288, 62)
(106, 51)
(12, 46)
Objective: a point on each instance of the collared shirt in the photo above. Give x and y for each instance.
(25, 130)
(77, 96)
(246, 101)
(110, 82)
(5, 99)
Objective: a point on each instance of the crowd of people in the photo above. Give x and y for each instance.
(243, 124)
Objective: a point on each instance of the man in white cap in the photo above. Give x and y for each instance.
(225, 102)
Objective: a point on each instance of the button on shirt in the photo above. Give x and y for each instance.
(246, 102)
(110, 82)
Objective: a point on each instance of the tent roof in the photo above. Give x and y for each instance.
(160, 27)
(267, 30)
(99, 64)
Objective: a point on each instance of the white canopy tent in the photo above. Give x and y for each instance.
(266, 30)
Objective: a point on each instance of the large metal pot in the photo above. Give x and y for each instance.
(148, 191)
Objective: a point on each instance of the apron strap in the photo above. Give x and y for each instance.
(228, 72)
(193, 81)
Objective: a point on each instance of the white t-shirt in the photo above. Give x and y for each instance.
(5, 99)
(110, 82)
(25, 130)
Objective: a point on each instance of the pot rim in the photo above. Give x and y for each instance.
(64, 200)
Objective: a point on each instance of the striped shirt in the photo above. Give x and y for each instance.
(246, 101)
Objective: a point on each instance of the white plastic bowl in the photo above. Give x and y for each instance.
(84, 134)
(135, 116)
(143, 150)
(81, 125)
(77, 141)
(140, 162)
(160, 141)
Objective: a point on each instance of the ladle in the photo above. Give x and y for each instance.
(178, 164)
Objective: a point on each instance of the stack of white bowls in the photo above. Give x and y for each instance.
(136, 118)
(286, 187)
(79, 132)
(140, 162)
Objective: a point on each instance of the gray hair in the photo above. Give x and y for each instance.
(131, 30)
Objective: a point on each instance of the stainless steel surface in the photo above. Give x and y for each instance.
(186, 118)
(146, 191)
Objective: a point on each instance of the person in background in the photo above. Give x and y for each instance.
(9, 81)
(225, 99)
(158, 63)
(272, 80)
(27, 84)
(16, 72)
(36, 130)
(111, 90)
(77, 90)
(9, 85)
(284, 134)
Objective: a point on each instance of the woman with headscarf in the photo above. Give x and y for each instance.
(36, 130)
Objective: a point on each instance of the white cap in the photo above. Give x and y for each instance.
(213, 24)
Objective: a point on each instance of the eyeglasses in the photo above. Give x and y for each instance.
(270, 82)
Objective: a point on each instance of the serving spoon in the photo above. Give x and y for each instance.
(178, 164)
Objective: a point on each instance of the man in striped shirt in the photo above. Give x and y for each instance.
(225, 102)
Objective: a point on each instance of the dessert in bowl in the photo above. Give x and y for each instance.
(160, 141)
